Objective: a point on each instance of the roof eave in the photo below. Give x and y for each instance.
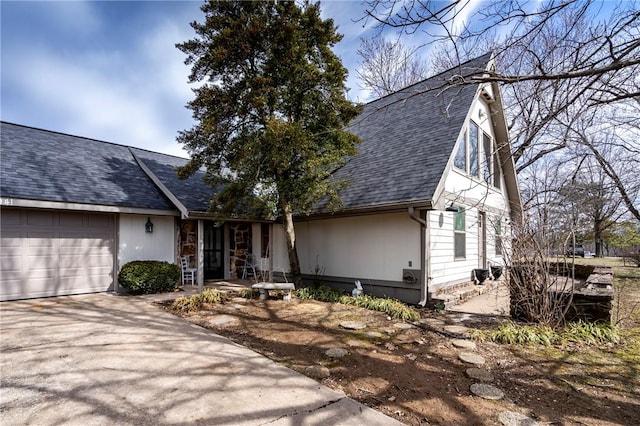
(368, 210)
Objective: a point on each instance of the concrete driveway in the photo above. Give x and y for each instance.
(101, 359)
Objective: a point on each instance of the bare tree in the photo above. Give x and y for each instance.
(553, 57)
(388, 66)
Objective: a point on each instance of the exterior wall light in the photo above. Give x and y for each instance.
(148, 227)
(453, 208)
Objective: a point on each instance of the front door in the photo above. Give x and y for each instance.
(213, 251)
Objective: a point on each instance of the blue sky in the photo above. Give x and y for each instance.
(109, 70)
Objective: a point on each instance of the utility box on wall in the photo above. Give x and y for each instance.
(411, 276)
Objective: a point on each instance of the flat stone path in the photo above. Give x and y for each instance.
(486, 391)
(480, 374)
(471, 358)
(464, 344)
(353, 325)
(336, 352)
(511, 418)
(483, 389)
(456, 329)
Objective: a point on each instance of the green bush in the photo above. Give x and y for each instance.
(149, 276)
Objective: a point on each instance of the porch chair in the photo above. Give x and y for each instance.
(188, 274)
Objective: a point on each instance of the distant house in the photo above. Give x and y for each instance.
(74, 210)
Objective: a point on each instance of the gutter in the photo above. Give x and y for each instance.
(425, 264)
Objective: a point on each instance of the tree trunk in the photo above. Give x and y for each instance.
(597, 236)
(290, 232)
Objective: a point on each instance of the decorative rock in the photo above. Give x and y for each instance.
(486, 391)
(479, 374)
(510, 418)
(471, 358)
(374, 334)
(403, 326)
(317, 371)
(464, 344)
(336, 352)
(456, 329)
(353, 325)
(223, 321)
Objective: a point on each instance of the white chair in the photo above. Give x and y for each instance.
(188, 274)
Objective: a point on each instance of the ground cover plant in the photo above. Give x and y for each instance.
(410, 370)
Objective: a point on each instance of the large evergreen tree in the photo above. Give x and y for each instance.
(270, 109)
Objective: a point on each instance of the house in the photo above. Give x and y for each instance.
(432, 196)
(74, 210)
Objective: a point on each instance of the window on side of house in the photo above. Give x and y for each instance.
(497, 170)
(459, 235)
(460, 160)
(487, 149)
(474, 165)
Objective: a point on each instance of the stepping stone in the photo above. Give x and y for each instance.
(460, 318)
(479, 374)
(464, 344)
(456, 329)
(223, 321)
(510, 418)
(471, 358)
(374, 334)
(486, 391)
(336, 352)
(353, 325)
(403, 326)
(317, 371)
(433, 322)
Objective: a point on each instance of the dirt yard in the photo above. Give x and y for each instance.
(412, 371)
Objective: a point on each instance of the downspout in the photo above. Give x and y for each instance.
(425, 264)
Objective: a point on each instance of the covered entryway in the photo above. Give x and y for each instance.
(54, 253)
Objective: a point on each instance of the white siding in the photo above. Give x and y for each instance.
(374, 246)
(280, 257)
(445, 269)
(136, 244)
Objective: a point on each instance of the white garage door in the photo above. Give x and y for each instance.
(54, 253)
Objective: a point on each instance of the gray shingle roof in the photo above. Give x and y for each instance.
(407, 139)
(48, 166)
(192, 192)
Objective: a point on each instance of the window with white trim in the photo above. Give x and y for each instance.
(460, 160)
(474, 150)
(459, 235)
(477, 156)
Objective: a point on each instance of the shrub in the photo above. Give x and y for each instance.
(148, 276)
(249, 293)
(195, 302)
(322, 294)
